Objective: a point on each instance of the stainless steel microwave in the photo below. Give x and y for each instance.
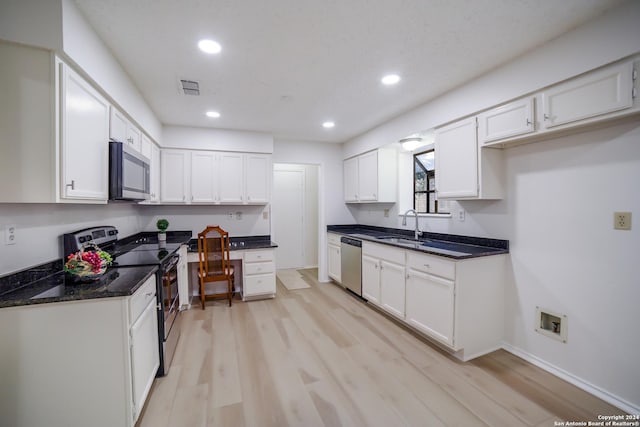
(129, 177)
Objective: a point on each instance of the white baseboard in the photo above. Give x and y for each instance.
(576, 381)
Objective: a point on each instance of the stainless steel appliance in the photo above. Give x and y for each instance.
(129, 177)
(351, 264)
(138, 253)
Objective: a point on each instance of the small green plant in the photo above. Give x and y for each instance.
(162, 225)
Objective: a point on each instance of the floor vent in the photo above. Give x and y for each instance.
(190, 87)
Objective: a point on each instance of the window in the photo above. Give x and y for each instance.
(424, 184)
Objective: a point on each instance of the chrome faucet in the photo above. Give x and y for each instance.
(417, 233)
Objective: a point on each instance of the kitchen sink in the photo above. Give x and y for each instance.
(402, 241)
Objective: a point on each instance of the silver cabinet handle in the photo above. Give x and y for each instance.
(72, 185)
(546, 117)
(529, 123)
(427, 265)
(184, 198)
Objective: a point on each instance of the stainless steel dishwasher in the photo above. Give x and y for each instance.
(351, 264)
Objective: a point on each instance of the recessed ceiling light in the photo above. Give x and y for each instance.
(213, 114)
(328, 125)
(390, 79)
(209, 46)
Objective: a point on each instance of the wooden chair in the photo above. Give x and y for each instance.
(215, 265)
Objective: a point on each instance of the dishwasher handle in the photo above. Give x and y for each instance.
(350, 241)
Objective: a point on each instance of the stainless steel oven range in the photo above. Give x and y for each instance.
(135, 254)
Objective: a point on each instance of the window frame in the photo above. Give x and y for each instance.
(429, 193)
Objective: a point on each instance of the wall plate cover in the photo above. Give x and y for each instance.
(622, 220)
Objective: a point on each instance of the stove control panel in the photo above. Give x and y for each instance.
(103, 235)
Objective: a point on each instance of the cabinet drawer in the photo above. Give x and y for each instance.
(431, 265)
(259, 268)
(258, 256)
(333, 239)
(141, 298)
(384, 252)
(260, 284)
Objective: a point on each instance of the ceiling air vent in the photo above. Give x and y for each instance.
(190, 87)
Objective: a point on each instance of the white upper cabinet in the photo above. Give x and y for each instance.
(457, 160)
(351, 180)
(122, 130)
(232, 178)
(155, 173)
(594, 94)
(204, 182)
(463, 170)
(84, 135)
(214, 177)
(371, 177)
(258, 178)
(174, 184)
(509, 120)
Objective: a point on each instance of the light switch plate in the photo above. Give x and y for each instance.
(622, 220)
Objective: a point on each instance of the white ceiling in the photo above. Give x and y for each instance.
(286, 66)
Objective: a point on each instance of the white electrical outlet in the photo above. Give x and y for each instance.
(461, 215)
(230, 215)
(10, 235)
(239, 215)
(622, 220)
(386, 213)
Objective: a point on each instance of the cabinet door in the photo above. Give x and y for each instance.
(430, 305)
(258, 178)
(145, 146)
(334, 261)
(509, 120)
(457, 160)
(117, 125)
(174, 185)
(591, 95)
(231, 178)
(84, 139)
(203, 177)
(392, 288)
(134, 136)
(260, 284)
(351, 180)
(371, 279)
(145, 359)
(155, 173)
(368, 177)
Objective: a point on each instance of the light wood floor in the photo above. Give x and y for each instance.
(320, 357)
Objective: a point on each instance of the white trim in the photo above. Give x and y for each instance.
(576, 381)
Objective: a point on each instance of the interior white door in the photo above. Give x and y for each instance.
(288, 217)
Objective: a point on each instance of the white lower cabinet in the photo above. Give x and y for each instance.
(456, 303)
(371, 279)
(383, 280)
(334, 257)
(430, 305)
(259, 274)
(100, 354)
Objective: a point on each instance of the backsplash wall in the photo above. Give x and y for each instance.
(254, 220)
(39, 229)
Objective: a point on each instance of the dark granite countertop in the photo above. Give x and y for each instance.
(57, 287)
(446, 245)
(241, 243)
(46, 283)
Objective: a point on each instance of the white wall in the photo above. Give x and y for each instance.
(32, 22)
(40, 228)
(610, 37)
(331, 206)
(216, 139)
(567, 258)
(196, 218)
(88, 51)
